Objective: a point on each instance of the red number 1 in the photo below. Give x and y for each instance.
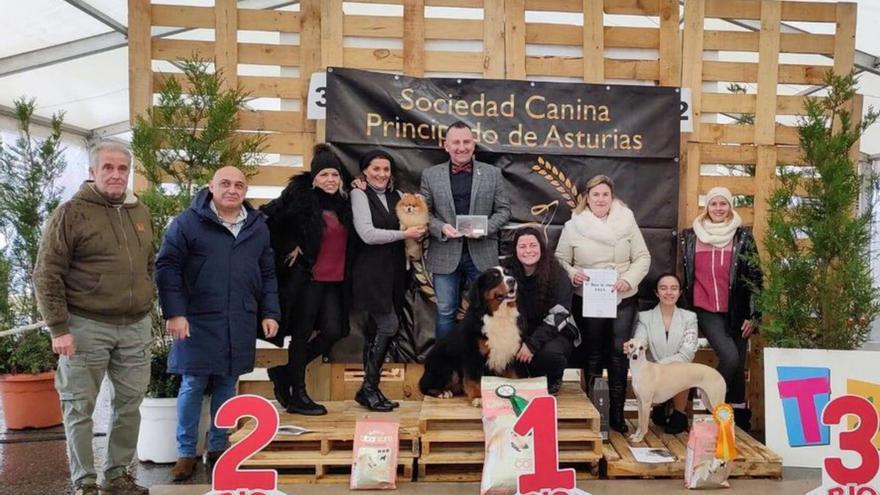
(540, 417)
(227, 476)
(858, 440)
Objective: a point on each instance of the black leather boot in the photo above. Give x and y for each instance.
(554, 385)
(369, 395)
(658, 415)
(617, 371)
(300, 402)
(678, 423)
(743, 419)
(368, 343)
(392, 403)
(617, 420)
(280, 384)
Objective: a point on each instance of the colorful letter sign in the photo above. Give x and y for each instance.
(804, 393)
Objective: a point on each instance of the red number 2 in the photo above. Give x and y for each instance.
(227, 476)
(540, 416)
(858, 440)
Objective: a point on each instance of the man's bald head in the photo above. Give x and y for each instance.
(229, 188)
(229, 172)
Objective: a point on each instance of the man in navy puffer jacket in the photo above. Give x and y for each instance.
(216, 278)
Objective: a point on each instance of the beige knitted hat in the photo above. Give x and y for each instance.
(719, 191)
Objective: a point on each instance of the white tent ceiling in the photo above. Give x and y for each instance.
(92, 90)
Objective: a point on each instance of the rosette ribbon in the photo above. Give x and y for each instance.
(725, 445)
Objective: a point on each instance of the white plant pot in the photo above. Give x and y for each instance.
(157, 440)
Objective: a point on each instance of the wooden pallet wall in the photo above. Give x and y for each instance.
(493, 46)
(767, 143)
(502, 39)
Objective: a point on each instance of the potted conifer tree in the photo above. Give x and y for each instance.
(819, 300)
(29, 170)
(819, 293)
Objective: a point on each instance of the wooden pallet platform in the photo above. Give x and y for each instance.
(754, 460)
(324, 454)
(452, 441)
(305, 467)
(473, 471)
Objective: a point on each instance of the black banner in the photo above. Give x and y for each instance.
(547, 138)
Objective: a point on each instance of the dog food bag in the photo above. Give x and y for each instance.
(508, 455)
(374, 457)
(702, 469)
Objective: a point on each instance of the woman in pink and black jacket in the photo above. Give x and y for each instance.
(721, 279)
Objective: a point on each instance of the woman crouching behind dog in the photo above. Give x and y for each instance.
(379, 270)
(603, 233)
(310, 226)
(721, 274)
(544, 301)
(671, 335)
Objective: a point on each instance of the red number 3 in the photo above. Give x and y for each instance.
(227, 476)
(859, 440)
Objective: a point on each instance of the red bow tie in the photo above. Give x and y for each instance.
(457, 169)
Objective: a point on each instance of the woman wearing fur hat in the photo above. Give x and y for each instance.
(721, 274)
(311, 229)
(379, 270)
(603, 233)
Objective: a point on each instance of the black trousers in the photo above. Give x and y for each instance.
(550, 360)
(732, 350)
(602, 347)
(319, 309)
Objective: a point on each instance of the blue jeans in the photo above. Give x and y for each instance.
(447, 288)
(189, 411)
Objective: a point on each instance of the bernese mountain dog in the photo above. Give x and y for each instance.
(484, 342)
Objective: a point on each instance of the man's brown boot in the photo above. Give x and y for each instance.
(88, 489)
(183, 469)
(124, 484)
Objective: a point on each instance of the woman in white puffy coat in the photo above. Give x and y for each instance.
(603, 233)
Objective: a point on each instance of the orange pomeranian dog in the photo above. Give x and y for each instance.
(412, 211)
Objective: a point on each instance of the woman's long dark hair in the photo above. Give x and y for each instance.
(546, 270)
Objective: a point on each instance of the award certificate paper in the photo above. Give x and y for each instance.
(600, 300)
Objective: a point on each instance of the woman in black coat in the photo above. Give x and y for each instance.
(549, 332)
(311, 230)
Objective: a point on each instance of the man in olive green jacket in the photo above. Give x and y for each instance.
(93, 282)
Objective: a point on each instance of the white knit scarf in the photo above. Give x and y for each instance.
(608, 232)
(716, 234)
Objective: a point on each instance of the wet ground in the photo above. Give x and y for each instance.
(34, 462)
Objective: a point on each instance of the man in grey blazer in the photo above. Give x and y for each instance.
(461, 186)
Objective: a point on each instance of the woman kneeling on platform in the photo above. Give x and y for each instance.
(544, 300)
(379, 271)
(671, 335)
